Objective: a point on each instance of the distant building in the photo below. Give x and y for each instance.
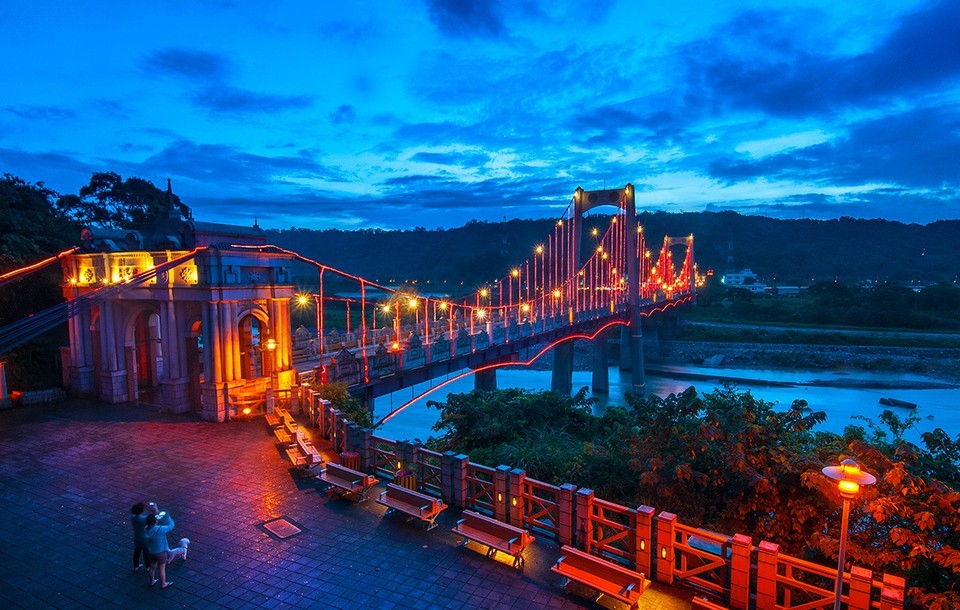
(786, 291)
(745, 279)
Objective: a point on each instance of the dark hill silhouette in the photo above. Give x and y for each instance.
(787, 251)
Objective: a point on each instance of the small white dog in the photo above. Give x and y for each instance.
(184, 544)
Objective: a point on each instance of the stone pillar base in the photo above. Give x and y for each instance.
(175, 395)
(216, 400)
(215, 405)
(113, 386)
(82, 381)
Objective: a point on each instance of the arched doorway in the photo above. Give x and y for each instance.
(195, 372)
(147, 352)
(251, 356)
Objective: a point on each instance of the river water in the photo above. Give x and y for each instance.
(828, 392)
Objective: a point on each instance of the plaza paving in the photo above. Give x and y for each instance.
(69, 473)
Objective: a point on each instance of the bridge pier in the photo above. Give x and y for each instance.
(636, 358)
(485, 380)
(368, 401)
(562, 378)
(601, 364)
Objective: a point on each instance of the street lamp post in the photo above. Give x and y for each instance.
(270, 346)
(849, 478)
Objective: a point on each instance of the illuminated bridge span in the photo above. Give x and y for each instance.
(204, 325)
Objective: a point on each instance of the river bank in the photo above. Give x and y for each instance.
(940, 366)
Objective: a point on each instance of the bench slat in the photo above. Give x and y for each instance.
(600, 575)
(350, 481)
(494, 534)
(412, 503)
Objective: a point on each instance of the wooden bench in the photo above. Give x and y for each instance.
(303, 455)
(602, 576)
(497, 536)
(309, 451)
(413, 503)
(290, 425)
(273, 420)
(282, 435)
(347, 480)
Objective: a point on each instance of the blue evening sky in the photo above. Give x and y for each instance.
(433, 112)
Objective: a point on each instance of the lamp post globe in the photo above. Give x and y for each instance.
(849, 478)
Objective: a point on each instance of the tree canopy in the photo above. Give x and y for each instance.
(109, 200)
(31, 226)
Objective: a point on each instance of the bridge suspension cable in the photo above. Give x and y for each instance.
(23, 330)
(16, 274)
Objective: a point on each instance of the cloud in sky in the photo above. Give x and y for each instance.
(780, 78)
(466, 17)
(187, 63)
(229, 99)
(336, 116)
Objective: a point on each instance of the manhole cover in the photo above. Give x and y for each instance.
(281, 528)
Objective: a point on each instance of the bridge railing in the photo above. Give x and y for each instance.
(731, 569)
(481, 492)
(385, 456)
(381, 355)
(540, 512)
(429, 471)
(607, 529)
(703, 557)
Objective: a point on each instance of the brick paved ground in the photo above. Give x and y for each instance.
(69, 473)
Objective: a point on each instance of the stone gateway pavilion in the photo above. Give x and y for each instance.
(196, 326)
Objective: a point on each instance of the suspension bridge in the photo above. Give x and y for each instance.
(198, 326)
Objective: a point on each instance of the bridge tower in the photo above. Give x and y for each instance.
(583, 202)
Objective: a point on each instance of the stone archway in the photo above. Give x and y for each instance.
(148, 354)
(252, 363)
(143, 353)
(193, 330)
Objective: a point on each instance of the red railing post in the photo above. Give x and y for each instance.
(446, 477)
(566, 507)
(740, 572)
(767, 553)
(665, 539)
(319, 407)
(517, 500)
(501, 492)
(644, 543)
(457, 476)
(891, 595)
(337, 430)
(585, 519)
(861, 582)
(367, 461)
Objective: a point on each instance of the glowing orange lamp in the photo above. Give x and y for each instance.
(849, 478)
